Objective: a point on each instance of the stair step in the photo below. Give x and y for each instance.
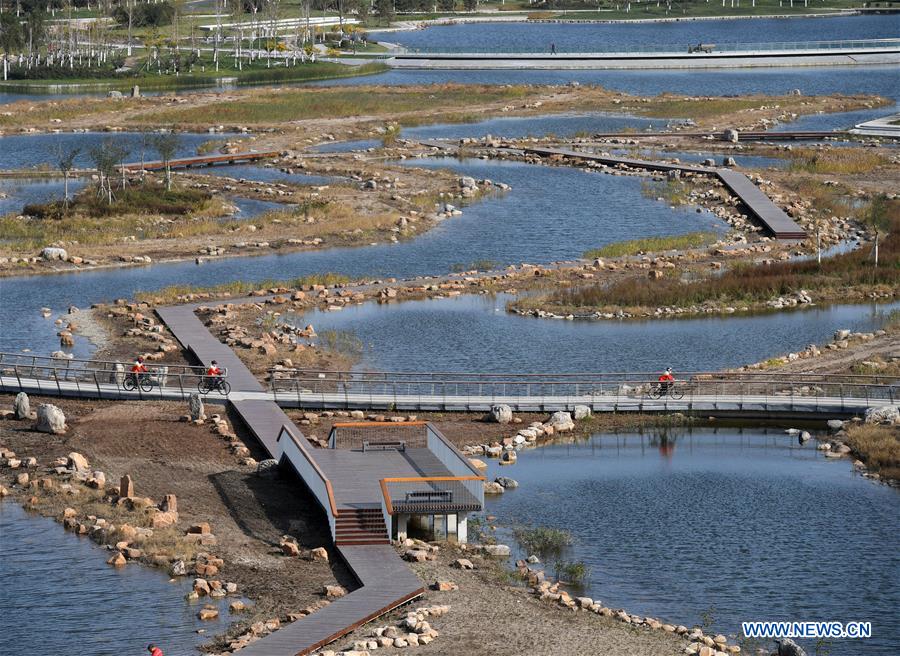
(361, 543)
(360, 532)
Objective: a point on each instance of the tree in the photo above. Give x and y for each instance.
(65, 160)
(879, 220)
(470, 5)
(107, 156)
(166, 144)
(11, 38)
(384, 9)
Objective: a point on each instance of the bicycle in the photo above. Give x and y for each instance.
(133, 381)
(209, 383)
(673, 390)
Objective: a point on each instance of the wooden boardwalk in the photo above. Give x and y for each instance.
(385, 581)
(769, 215)
(202, 160)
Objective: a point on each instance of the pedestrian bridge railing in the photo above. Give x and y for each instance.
(101, 378)
(307, 387)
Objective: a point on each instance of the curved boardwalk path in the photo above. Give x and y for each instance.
(385, 581)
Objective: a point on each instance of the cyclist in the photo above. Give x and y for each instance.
(666, 380)
(138, 370)
(214, 375)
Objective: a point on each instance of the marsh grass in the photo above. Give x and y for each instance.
(752, 282)
(173, 293)
(839, 161)
(294, 104)
(654, 245)
(878, 447)
(543, 541)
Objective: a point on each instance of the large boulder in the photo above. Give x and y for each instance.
(50, 419)
(501, 414)
(268, 467)
(23, 406)
(52, 253)
(582, 412)
(562, 422)
(196, 407)
(889, 414)
(77, 462)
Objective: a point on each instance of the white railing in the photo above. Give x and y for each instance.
(305, 465)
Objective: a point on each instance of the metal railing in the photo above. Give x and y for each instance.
(381, 389)
(355, 434)
(669, 48)
(103, 378)
(432, 494)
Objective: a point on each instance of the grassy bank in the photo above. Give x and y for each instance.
(878, 447)
(844, 276)
(653, 245)
(332, 103)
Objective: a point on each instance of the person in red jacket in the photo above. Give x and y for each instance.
(214, 374)
(154, 650)
(666, 380)
(138, 370)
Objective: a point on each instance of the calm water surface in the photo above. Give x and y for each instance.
(550, 214)
(637, 36)
(740, 524)
(475, 333)
(59, 596)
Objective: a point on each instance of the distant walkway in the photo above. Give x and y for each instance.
(770, 216)
(836, 53)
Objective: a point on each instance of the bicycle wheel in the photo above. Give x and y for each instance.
(655, 392)
(225, 388)
(203, 386)
(676, 392)
(146, 384)
(129, 383)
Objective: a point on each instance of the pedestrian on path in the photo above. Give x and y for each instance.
(552, 48)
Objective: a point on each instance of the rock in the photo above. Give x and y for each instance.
(196, 407)
(787, 647)
(463, 563)
(732, 135)
(202, 528)
(237, 606)
(118, 560)
(50, 419)
(51, 253)
(208, 613)
(22, 406)
(889, 414)
(835, 424)
(126, 486)
(804, 437)
(444, 586)
(169, 503)
(581, 412)
(508, 458)
(416, 555)
(178, 568)
(77, 462)
(267, 468)
(498, 550)
(562, 421)
(480, 465)
(841, 335)
(334, 591)
(493, 488)
(507, 483)
(501, 414)
(319, 554)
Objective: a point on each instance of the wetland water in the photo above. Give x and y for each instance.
(59, 596)
(733, 524)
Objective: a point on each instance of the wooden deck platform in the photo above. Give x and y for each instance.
(202, 160)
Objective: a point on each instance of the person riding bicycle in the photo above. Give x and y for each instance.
(666, 380)
(214, 374)
(139, 370)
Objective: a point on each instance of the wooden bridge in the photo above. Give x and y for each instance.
(770, 216)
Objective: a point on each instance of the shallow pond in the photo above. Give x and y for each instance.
(59, 595)
(15, 193)
(728, 525)
(22, 151)
(265, 174)
(636, 36)
(475, 333)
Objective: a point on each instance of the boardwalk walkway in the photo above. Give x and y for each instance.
(772, 218)
(385, 581)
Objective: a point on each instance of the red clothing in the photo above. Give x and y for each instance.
(667, 378)
(156, 651)
(138, 369)
(213, 371)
